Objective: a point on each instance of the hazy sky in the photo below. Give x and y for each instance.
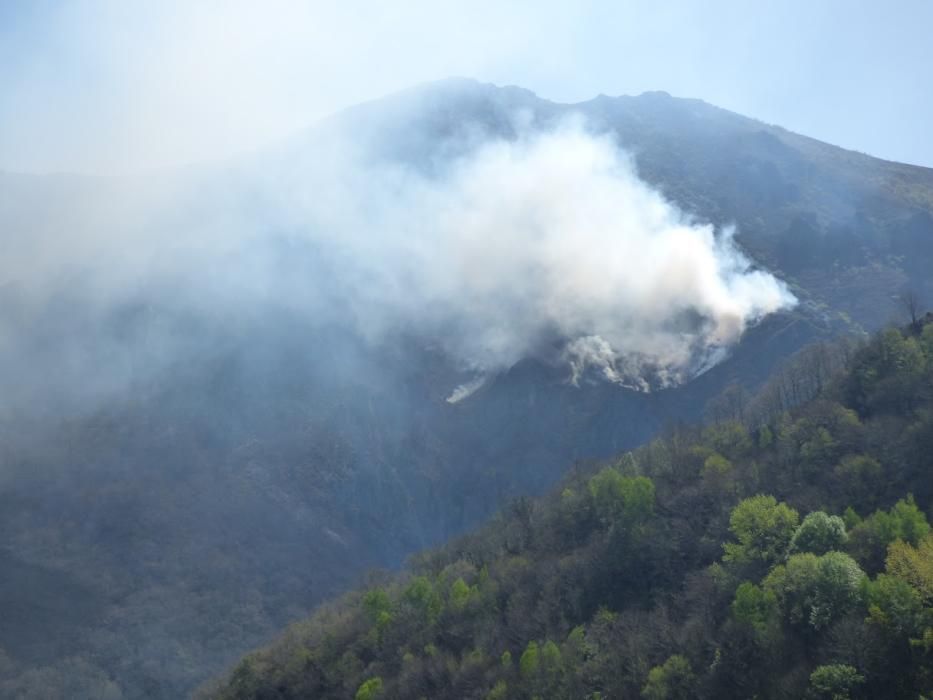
(122, 85)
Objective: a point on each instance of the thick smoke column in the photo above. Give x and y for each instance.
(549, 241)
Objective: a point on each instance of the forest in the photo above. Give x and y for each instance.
(782, 549)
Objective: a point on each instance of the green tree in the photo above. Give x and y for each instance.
(378, 607)
(834, 682)
(913, 564)
(422, 596)
(757, 608)
(551, 659)
(765, 437)
(851, 518)
(889, 373)
(869, 540)
(376, 603)
(859, 476)
(530, 660)
(500, 691)
(460, 594)
(718, 470)
(814, 591)
(895, 606)
(819, 533)
(763, 528)
(818, 452)
(616, 497)
(672, 680)
(370, 690)
(729, 438)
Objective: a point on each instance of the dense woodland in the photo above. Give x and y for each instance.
(782, 550)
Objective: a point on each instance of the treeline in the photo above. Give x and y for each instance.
(781, 551)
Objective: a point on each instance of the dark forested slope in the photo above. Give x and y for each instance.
(782, 553)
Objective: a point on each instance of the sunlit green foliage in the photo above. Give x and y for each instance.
(814, 590)
(530, 661)
(460, 594)
(763, 528)
(618, 498)
(819, 533)
(500, 691)
(870, 538)
(834, 682)
(377, 604)
(370, 690)
(672, 680)
(894, 605)
(757, 608)
(421, 594)
(913, 564)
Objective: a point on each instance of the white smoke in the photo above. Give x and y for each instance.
(548, 240)
(544, 245)
(466, 389)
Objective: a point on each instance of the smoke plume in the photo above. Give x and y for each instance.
(547, 243)
(543, 243)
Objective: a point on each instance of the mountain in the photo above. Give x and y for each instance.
(190, 463)
(784, 555)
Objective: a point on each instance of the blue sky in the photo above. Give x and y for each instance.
(121, 85)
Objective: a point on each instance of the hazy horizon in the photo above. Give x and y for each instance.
(101, 87)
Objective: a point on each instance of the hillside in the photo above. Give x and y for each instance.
(780, 552)
(201, 442)
(847, 228)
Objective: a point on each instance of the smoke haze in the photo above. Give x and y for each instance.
(545, 245)
(115, 87)
(249, 351)
(546, 242)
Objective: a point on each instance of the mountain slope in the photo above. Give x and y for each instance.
(185, 470)
(666, 573)
(837, 222)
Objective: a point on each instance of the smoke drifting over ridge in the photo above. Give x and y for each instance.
(549, 243)
(495, 249)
